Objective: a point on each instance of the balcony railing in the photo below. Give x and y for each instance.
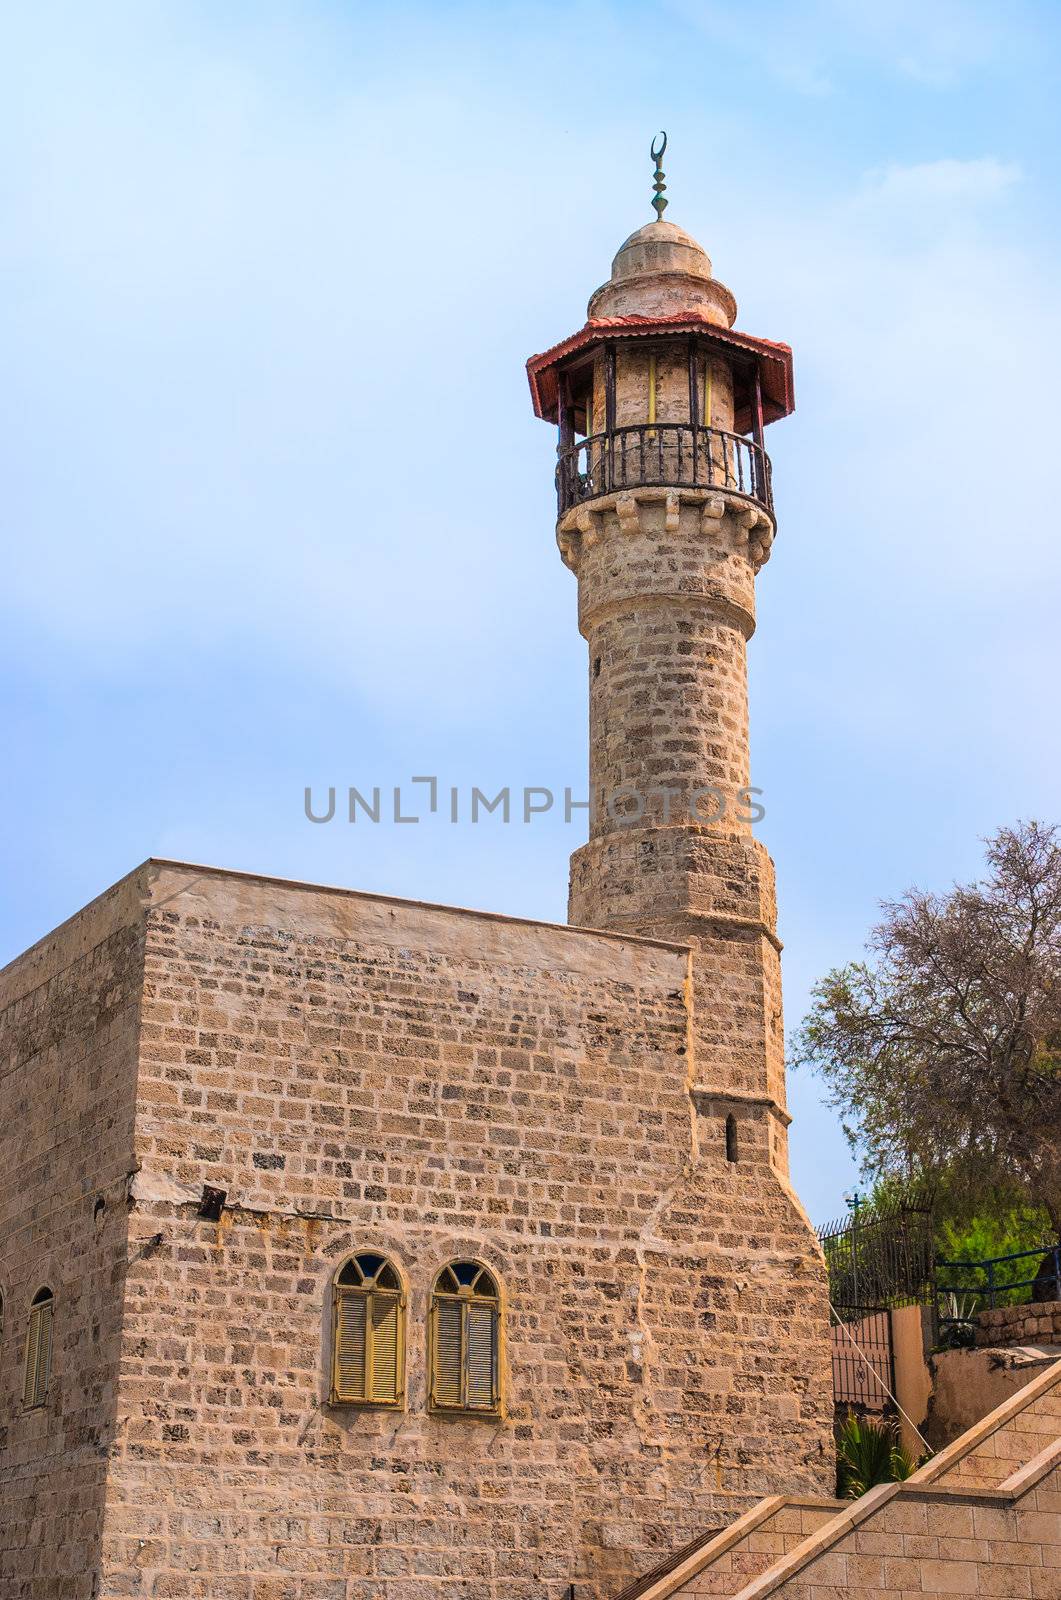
(670, 454)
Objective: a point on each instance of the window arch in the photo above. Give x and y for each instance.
(38, 1368)
(465, 1340)
(368, 1332)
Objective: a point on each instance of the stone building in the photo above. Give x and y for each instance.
(356, 1247)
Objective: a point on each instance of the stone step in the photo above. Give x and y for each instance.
(720, 1564)
(982, 1517)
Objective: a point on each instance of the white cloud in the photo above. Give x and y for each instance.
(979, 180)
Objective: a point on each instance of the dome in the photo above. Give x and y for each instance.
(662, 271)
(662, 247)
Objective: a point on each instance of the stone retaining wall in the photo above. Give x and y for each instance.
(1039, 1323)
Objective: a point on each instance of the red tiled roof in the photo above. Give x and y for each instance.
(774, 361)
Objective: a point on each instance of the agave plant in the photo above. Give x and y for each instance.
(868, 1453)
(958, 1330)
(962, 1307)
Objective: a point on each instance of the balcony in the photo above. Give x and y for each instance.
(669, 455)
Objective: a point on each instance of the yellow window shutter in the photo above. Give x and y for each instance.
(480, 1362)
(385, 1324)
(44, 1352)
(351, 1345)
(447, 1354)
(33, 1345)
(38, 1354)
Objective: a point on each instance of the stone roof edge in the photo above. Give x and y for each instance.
(401, 900)
(110, 899)
(1005, 1495)
(1034, 1471)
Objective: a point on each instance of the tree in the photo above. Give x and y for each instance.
(968, 1225)
(943, 1052)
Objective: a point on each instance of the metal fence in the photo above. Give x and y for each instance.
(880, 1258)
(863, 1359)
(877, 1259)
(971, 1286)
(662, 453)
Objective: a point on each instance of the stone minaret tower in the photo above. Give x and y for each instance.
(666, 516)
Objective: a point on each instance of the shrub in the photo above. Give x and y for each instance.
(868, 1453)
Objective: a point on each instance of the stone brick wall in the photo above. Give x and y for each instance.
(666, 605)
(68, 1034)
(1029, 1324)
(1000, 1452)
(358, 1072)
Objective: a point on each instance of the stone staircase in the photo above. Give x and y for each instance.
(983, 1517)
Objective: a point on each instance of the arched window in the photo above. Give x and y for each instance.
(38, 1349)
(368, 1333)
(731, 1138)
(465, 1337)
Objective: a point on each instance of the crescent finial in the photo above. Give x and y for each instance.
(658, 199)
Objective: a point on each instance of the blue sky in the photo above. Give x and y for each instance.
(276, 509)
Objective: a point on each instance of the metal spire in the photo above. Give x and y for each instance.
(658, 199)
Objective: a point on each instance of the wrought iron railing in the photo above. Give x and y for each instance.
(881, 1256)
(1000, 1281)
(665, 454)
(878, 1258)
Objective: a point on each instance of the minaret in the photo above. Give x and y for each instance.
(666, 516)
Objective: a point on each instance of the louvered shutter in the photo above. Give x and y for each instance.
(446, 1355)
(350, 1345)
(480, 1356)
(33, 1345)
(44, 1352)
(385, 1320)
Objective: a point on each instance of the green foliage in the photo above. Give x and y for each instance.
(868, 1453)
(983, 1225)
(987, 1235)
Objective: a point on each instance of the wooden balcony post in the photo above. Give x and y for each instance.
(757, 433)
(608, 452)
(694, 408)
